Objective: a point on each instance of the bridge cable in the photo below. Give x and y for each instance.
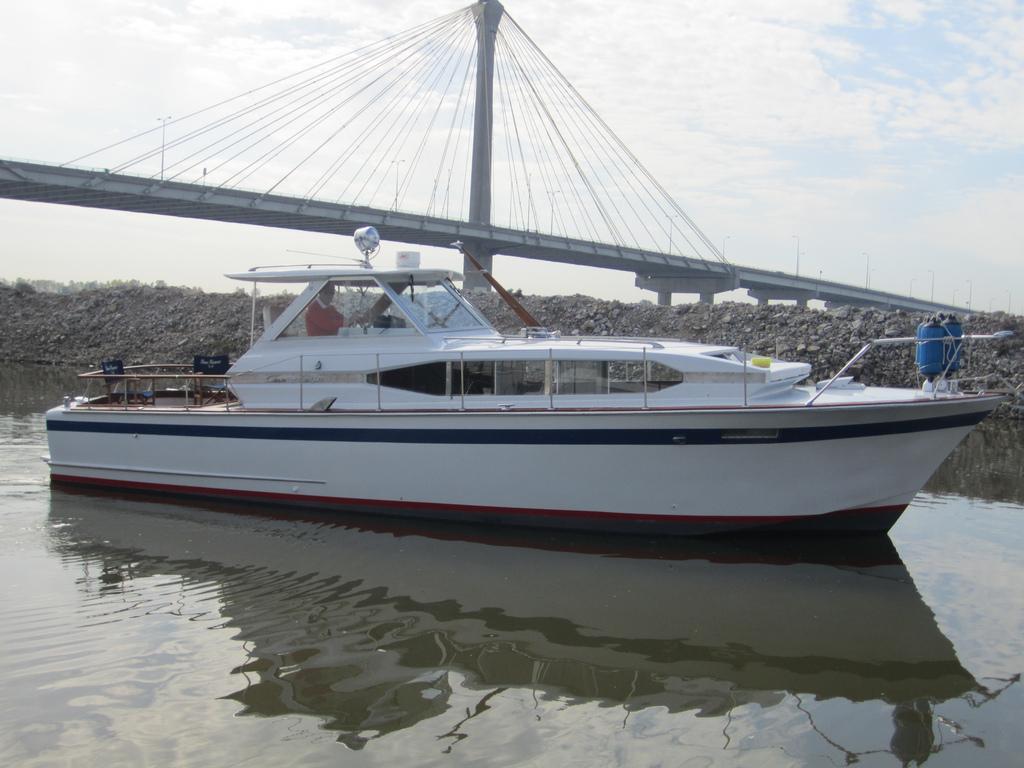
(373, 128)
(553, 129)
(396, 100)
(420, 29)
(626, 152)
(578, 127)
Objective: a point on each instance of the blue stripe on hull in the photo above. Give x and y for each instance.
(559, 436)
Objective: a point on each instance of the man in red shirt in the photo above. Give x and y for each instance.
(322, 319)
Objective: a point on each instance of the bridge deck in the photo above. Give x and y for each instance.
(99, 189)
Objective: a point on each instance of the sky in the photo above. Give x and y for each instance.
(884, 141)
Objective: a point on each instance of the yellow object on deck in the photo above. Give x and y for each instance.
(761, 362)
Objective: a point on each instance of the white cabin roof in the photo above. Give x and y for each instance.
(304, 273)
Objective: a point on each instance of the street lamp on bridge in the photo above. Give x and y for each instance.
(867, 269)
(932, 271)
(797, 238)
(671, 226)
(551, 200)
(163, 142)
(396, 163)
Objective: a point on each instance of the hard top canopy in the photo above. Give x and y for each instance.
(308, 273)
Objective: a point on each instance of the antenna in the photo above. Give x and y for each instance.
(345, 259)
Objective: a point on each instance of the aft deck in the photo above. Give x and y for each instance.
(162, 386)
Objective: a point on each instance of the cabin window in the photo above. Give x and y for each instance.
(350, 307)
(582, 377)
(625, 376)
(479, 377)
(520, 377)
(660, 376)
(529, 377)
(600, 377)
(503, 377)
(428, 379)
(435, 307)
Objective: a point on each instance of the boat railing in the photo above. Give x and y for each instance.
(182, 386)
(307, 373)
(904, 340)
(257, 269)
(576, 340)
(140, 385)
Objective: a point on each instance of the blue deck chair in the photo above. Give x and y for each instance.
(113, 371)
(210, 365)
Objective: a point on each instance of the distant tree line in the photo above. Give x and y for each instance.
(77, 286)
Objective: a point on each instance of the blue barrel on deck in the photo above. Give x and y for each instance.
(930, 353)
(951, 347)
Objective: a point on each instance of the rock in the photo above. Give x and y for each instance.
(170, 325)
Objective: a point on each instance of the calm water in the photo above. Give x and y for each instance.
(148, 632)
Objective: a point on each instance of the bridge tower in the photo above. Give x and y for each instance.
(488, 16)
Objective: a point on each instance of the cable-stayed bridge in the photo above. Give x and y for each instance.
(459, 129)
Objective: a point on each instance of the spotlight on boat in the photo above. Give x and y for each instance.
(368, 242)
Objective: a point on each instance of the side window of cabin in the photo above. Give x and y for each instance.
(429, 378)
(482, 377)
(348, 308)
(479, 377)
(529, 377)
(520, 377)
(660, 376)
(503, 377)
(582, 377)
(625, 376)
(602, 377)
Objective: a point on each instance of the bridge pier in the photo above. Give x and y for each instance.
(474, 278)
(488, 16)
(704, 287)
(764, 295)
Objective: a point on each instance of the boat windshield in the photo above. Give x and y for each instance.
(436, 307)
(351, 307)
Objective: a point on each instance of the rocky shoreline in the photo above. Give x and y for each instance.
(149, 324)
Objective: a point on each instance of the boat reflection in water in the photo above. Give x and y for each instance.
(371, 629)
(986, 465)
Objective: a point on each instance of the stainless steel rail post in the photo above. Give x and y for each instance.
(644, 358)
(551, 379)
(252, 319)
(744, 355)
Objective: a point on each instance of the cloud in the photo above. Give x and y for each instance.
(911, 11)
(838, 120)
(982, 222)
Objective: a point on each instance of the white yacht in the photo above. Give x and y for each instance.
(386, 391)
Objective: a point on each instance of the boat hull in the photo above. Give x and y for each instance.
(693, 471)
